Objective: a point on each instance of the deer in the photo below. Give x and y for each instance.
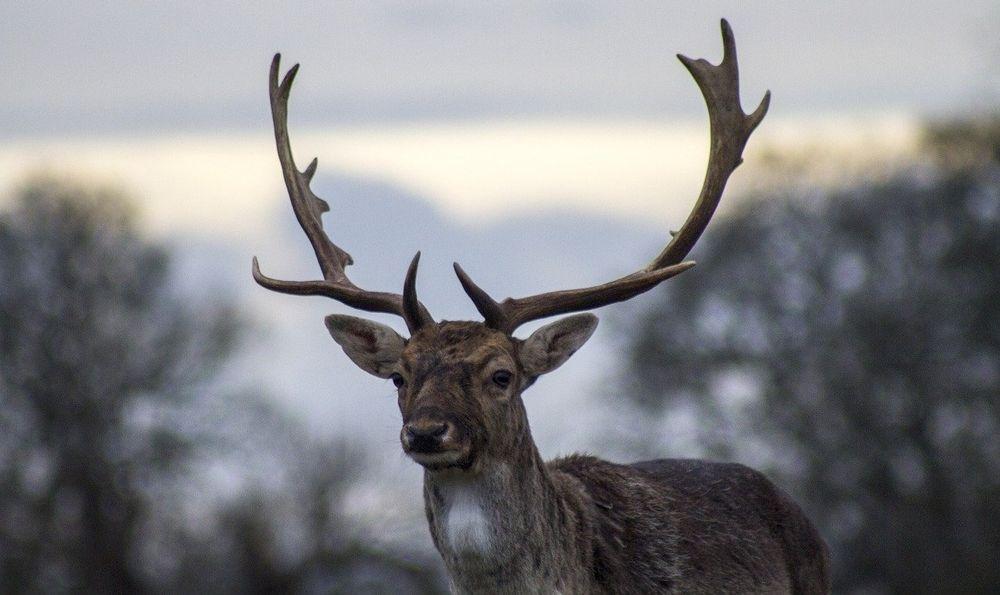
(504, 520)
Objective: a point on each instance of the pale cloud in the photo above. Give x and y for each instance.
(203, 183)
(486, 170)
(643, 170)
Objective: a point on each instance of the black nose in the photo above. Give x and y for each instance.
(425, 435)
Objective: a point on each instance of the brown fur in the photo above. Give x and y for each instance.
(506, 522)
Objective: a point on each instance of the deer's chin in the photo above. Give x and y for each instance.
(453, 458)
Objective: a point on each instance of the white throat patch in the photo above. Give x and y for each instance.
(466, 524)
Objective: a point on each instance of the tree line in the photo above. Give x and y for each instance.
(111, 419)
(848, 340)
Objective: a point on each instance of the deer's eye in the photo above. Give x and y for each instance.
(502, 378)
(397, 379)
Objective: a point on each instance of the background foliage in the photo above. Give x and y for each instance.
(846, 340)
(849, 341)
(112, 424)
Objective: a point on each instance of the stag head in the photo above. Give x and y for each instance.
(460, 383)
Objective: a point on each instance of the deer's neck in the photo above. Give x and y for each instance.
(510, 527)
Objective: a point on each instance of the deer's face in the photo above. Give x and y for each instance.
(460, 383)
(459, 394)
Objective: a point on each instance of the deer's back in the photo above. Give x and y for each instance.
(692, 526)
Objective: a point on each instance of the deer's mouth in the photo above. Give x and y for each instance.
(435, 445)
(442, 459)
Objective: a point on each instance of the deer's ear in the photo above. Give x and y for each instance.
(374, 347)
(550, 346)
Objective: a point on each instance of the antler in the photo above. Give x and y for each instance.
(730, 128)
(332, 259)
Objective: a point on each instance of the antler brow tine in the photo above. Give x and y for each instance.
(730, 129)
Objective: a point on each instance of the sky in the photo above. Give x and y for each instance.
(493, 133)
(128, 66)
(487, 108)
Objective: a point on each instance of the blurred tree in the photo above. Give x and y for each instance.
(96, 354)
(964, 143)
(851, 343)
(107, 430)
(285, 531)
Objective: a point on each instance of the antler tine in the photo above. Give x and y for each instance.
(730, 128)
(414, 312)
(508, 315)
(308, 210)
(493, 314)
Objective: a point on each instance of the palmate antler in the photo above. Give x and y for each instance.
(332, 259)
(730, 130)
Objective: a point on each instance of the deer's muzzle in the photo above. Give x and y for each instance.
(425, 435)
(433, 441)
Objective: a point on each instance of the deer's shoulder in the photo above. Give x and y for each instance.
(633, 533)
